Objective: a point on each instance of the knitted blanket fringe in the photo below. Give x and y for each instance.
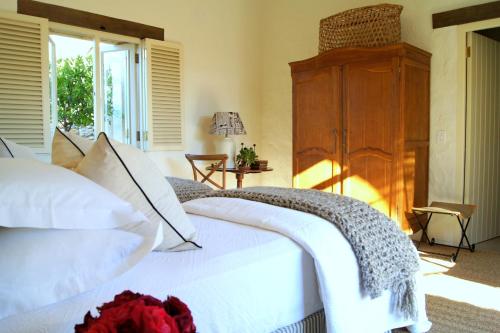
(386, 257)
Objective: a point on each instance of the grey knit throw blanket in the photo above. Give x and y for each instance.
(386, 257)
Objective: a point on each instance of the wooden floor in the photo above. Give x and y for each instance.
(489, 245)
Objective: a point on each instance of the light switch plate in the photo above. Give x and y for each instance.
(441, 136)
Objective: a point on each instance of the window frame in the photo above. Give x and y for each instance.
(97, 37)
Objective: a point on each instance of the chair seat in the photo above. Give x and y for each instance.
(462, 210)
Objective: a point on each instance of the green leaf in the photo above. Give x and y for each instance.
(75, 92)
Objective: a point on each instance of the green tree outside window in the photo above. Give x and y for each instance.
(75, 93)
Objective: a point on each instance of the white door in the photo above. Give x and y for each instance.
(482, 152)
(118, 84)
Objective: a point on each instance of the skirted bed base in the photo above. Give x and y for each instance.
(314, 323)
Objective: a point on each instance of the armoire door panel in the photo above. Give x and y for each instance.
(415, 88)
(369, 180)
(416, 101)
(317, 128)
(369, 102)
(415, 181)
(318, 171)
(369, 120)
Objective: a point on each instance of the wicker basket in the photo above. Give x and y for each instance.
(362, 27)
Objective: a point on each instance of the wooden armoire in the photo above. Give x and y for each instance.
(361, 126)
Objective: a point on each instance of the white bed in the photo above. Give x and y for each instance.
(240, 277)
(245, 279)
(261, 268)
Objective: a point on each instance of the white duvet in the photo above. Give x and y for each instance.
(246, 279)
(346, 308)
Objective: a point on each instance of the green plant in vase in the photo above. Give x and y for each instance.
(246, 157)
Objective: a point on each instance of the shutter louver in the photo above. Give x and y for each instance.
(165, 125)
(24, 80)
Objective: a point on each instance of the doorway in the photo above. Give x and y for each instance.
(482, 135)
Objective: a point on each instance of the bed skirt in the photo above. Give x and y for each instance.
(314, 323)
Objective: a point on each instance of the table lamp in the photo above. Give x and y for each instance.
(227, 123)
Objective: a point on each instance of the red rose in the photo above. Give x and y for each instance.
(152, 319)
(181, 313)
(128, 296)
(136, 313)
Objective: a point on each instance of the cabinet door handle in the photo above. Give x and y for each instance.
(335, 133)
(344, 141)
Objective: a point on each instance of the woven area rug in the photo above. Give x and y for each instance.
(462, 296)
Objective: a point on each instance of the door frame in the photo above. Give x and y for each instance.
(462, 31)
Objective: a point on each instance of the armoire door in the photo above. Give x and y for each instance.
(369, 118)
(317, 129)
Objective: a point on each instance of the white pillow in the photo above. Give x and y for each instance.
(132, 176)
(68, 149)
(34, 194)
(42, 266)
(13, 150)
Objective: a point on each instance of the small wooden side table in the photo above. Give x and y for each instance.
(462, 212)
(240, 173)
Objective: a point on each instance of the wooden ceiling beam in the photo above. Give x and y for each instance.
(485, 11)
(88, 20)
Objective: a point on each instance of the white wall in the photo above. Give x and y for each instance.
(291, 33)
(236, 59)
(220, 39)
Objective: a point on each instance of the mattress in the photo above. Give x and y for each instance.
(243, 280)
(347, 307)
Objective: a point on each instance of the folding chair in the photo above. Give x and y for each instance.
(219, 165)
(463, 214)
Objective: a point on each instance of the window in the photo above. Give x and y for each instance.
(127, 87)
(72, 84)
(95, 85)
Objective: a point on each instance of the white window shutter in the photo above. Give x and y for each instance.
(24, 80)
(165, 117)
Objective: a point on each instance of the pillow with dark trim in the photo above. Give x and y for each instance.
(130, 174)
(13, 150)
(68, 149)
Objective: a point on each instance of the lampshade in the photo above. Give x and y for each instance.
(227, 123)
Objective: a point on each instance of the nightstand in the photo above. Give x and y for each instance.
(240, 173)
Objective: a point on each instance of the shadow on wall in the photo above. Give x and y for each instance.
(203, 143)
(208, 144)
